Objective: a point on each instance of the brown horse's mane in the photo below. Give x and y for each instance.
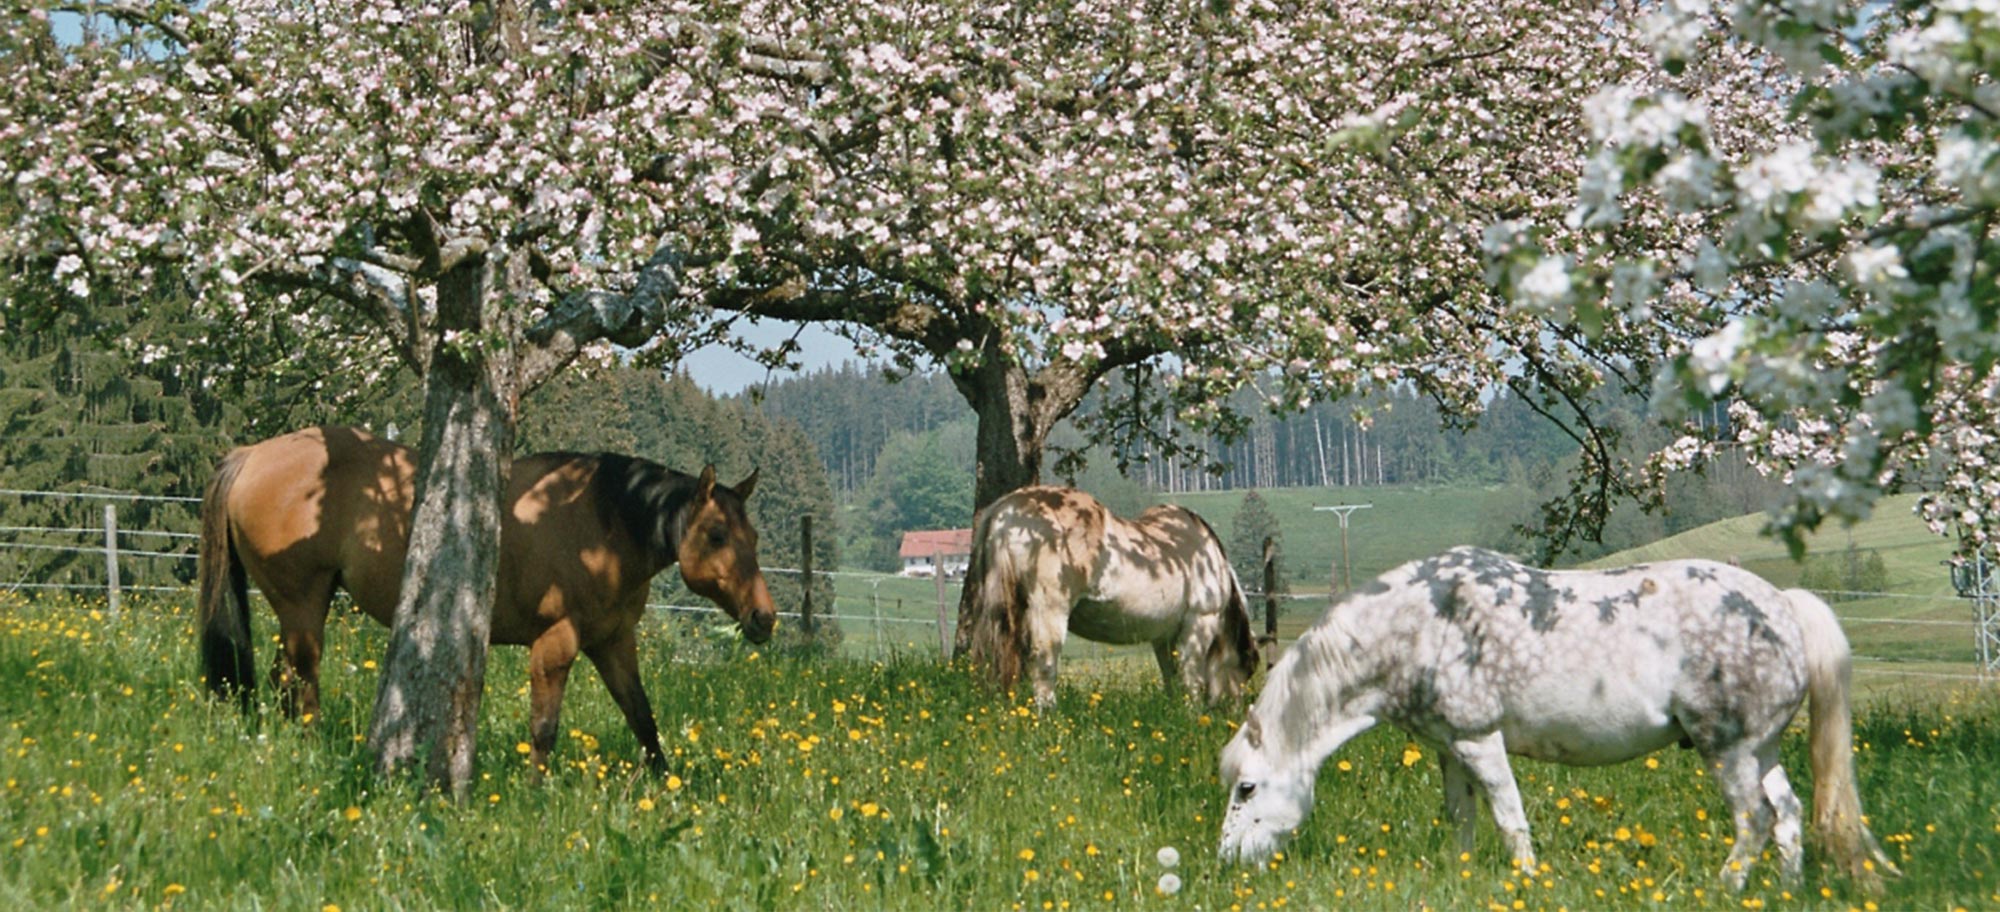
(648, 500)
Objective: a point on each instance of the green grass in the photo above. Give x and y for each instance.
(1403, 523)
(842, 784)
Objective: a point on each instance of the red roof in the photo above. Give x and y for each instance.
(930, 542)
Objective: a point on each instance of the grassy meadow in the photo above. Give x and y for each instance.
(848, 783)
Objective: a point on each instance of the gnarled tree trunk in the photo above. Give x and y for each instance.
(427, 707)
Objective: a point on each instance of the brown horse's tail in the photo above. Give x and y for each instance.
(225, 598)
(1836, 796)
(995, 633)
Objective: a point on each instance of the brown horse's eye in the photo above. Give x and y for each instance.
(717, 537)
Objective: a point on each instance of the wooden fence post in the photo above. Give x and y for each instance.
(806, 574)
(111, 555)
(1270, 599)
(944, 628)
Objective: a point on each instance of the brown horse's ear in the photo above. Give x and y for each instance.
(744, 487)
(705, 485)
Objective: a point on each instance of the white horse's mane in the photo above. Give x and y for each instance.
(1306, 687)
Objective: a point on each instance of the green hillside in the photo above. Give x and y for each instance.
(1403, 523)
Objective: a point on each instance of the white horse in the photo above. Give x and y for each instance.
(1481, 657)
(1050, 561)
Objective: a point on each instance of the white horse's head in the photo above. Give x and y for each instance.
(1267, 800)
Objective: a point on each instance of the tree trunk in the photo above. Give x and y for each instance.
(427, 708)
(1010, 438)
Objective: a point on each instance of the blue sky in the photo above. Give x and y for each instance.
(722, 371)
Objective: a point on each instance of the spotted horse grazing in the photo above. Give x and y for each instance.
(1481, 657)
(1048, 561)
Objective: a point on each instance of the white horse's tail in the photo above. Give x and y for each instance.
(1836, 796)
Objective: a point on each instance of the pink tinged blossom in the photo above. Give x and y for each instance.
(1545, 289)
(1712, 358)
(1877, 268)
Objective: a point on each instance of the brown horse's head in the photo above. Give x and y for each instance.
(718, 555)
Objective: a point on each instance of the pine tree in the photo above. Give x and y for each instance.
(1253, 524)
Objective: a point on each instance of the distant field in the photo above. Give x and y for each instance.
(1403, 523)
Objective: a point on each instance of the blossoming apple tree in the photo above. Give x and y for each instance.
(1034, 197)
(490, 188)
(1208, 194)
(1843, 301)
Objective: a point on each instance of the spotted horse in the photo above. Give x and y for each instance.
(1050, 561)
(1481, 657)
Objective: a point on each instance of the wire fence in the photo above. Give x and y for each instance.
(872, 614)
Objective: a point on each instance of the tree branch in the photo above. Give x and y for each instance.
(381, 294)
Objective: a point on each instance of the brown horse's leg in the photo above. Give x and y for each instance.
(549, 661)
(302, 636)
(617, 662)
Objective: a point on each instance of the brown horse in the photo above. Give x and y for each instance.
(329, 508)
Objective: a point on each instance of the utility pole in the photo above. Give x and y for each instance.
(1977, 580)
(1345, 569)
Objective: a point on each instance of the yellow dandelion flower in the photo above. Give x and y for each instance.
(1345, 766)
(870, 809)
(1026, 855)
(1622, 835)
(645, 804)
(174, 889)
(522, 747)
(674, 783)
(1652, 763)
(836, 814)
(352, 813)
(1411, 754)
(1031, 875)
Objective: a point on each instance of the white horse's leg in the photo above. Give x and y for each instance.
(1738, 772)
(1786, 829)
(1461, 803)
(1485, 758)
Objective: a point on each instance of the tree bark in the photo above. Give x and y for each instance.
(427, 707)
(1010, 439)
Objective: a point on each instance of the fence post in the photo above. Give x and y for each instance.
(111, 555)
(944, 629)
(806, 574)
(1270, 599)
